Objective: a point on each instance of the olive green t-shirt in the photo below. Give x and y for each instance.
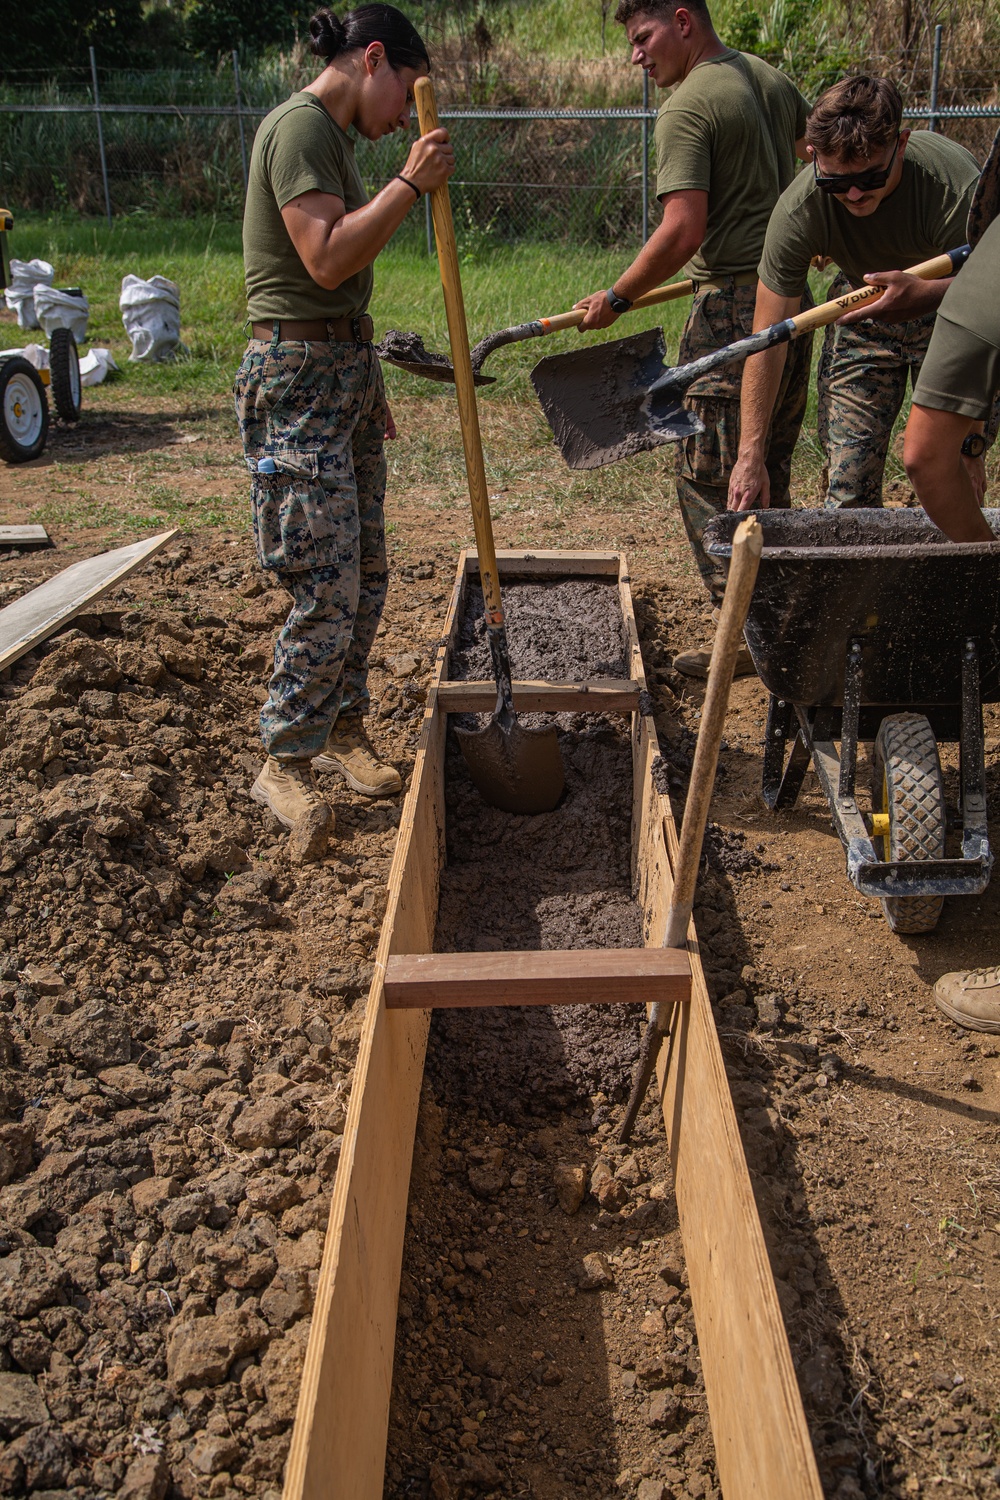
(961, 369)
(922, 217)
(730, 130)
(298, 148)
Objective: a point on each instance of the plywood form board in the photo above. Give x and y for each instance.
(762, 1444)
(598, 696)
(43, 611)
(339, 1438)
(575, 976)
(546, 563)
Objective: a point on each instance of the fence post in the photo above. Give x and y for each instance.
(100, 136)
(935, 77)
(239, 116)
(645, 156)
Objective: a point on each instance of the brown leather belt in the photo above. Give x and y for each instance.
(360, 330)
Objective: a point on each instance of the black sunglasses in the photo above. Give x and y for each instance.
(865, 182)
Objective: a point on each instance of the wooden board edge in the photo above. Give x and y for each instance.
(62, 617)
(342, 1417)
(576, 976)
(599, 695)
(759, 1428)
(546, 562)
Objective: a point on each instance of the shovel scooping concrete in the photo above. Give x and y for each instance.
(620, 398)
(516, 769)
(406, 350)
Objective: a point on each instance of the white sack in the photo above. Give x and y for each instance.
(151, 312)
(55, 309)
(35, 354)
(25, 275)
(95, 366)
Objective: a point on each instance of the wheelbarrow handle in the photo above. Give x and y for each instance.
(677, 380)
(461, 358)
(748, 542)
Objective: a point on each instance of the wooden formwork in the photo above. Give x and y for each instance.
(759, 1428)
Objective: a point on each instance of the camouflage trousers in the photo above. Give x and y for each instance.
(704, 462)
(861, 385)
(312, 418)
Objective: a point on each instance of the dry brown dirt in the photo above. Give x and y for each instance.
(179, 1013)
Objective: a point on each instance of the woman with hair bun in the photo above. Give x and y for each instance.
(309, 394)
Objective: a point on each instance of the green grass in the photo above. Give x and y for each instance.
(503, 285)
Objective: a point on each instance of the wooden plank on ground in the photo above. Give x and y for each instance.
(575, 976)
(338, 1442)
(24, 536)
(601, 695)
(40, 613)
(546, 563)
(762, 1445)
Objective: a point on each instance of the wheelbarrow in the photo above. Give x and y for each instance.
(24, 406)
(869, 625)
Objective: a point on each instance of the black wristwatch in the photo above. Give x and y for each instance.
(617, 304)
(974, 445)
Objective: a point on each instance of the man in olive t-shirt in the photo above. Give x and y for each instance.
(877, 198)
(955, 395)
(726, 146)
(310, 153)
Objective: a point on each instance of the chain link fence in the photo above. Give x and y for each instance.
(177, 143)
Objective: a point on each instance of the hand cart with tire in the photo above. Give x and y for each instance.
(24, 405)
(869, 625)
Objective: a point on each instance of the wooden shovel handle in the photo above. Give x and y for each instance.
(574, 318)
(748, 542)
(827, 312)
(458, 335)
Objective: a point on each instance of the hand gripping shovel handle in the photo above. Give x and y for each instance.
(659, 294)
(458, 335)
(682, 376)
(748, 541)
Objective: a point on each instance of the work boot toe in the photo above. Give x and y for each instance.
(350, 753)
(970, 998)
(697, 663)
(288, 788)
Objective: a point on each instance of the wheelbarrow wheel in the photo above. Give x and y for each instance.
(24, 411)
(908, 786)
(64, 367)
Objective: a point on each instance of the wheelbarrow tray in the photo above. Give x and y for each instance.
(885, 578)
(858, 616)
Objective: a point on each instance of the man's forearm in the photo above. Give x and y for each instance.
(658, 260)
(758, 392)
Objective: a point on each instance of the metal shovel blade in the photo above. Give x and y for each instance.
(598, 402)
(515, 769)
(407, 352)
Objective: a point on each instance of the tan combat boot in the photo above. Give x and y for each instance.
(697, 663)
(350, 752)
(288, 788)
(970, 998)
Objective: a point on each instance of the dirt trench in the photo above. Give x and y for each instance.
(158, 1259)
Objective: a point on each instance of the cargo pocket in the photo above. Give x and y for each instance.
(291, 520)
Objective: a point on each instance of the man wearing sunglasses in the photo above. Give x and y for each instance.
(875, 198)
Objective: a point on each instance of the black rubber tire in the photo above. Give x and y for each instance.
(21, 441)
(907, 784)
(64, 367)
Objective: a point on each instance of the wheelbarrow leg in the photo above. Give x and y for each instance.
(781, 784)
(975, 831)
(850, 719)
